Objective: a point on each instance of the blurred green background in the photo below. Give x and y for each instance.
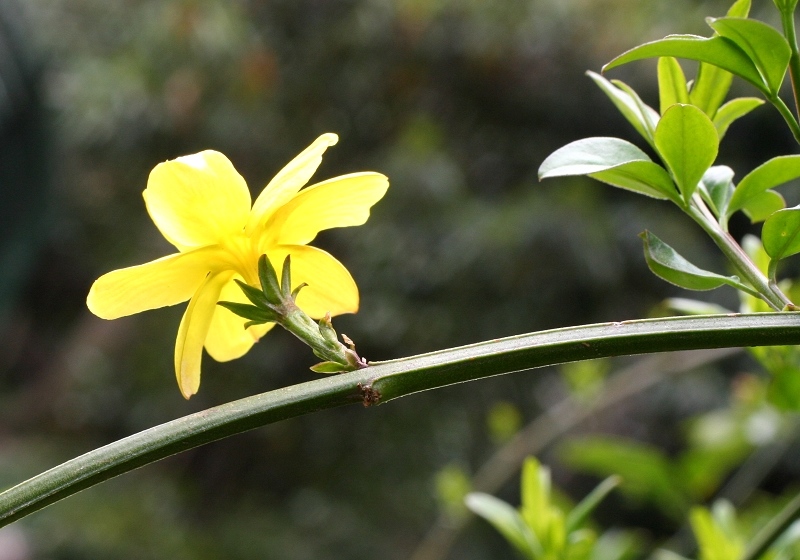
(458, 102)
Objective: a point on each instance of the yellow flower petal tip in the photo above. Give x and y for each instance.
(201, 205)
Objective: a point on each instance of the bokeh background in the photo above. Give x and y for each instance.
(458, 102)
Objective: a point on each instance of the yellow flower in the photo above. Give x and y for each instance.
(201, 205)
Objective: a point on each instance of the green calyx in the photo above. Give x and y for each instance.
(275, 302)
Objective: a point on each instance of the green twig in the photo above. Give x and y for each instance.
(787, 115)
(385, 381)
(787, 19)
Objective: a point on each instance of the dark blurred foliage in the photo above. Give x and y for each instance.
(457, 101)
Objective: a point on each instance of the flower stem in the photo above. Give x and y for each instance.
(393, 379)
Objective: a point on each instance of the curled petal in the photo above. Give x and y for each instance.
(165, 281)
(338, 202)
(227, 339)
(330, 288)
(288, 181)
(197, 200)
(193, 330)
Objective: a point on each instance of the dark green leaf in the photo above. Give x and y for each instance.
(718, 51)
(733, 110)
(586, 506)
(765, 46)
(247, 311)
(718, 185)
(666, 263)
(687, 142)
(625, 104)
(671, 83)
(774, 172)
(506, 520)
(286, 278)
(590, 155)
(763, 205)
(781, 233)
(644, 177)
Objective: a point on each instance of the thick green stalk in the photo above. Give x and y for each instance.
(385, 381)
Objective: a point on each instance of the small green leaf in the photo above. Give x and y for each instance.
(718, 185)
(328, 367)
(590, 155)
(718, 51)
(740, 9)
(671, 83)
(765, 46)
(625, 104)
(506, 520)
(781, 233)
(667, 264)
(255, 314)
(771, 174)
(687, 142)
(763, 205)
(586, 506)
(269, 280)
(710, 88)
(650, 116)
(733, 110)
(644, 177)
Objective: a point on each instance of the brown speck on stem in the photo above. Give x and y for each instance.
(369, 396)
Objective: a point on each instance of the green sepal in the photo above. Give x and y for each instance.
(687, 142)
(269, 280)
(255, 295)
(719, 51)
(672, 87)
(733, 110)
(667, 264)
(781, 233)
(328, 368)
(297, 290)
(256, 315)
(764, 45)
(771, 174)
(286, 278)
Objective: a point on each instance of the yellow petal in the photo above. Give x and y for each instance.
(227, 339)
(197, 200)
(193, 330)
(338, 202)
(165, 281)
(330, 288)
(288, 181)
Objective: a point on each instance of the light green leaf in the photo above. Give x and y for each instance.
(765, 46)
(687, 142)
(650, 116)
(644, 177)
(763, 205)
(718, 186)
(667, 264)
(590, 155)
(328, 367)
(740, 9)
(781, 233)
(671, 83)
(535, 492)
(733, 110)
(718, 51)
(625, 104)
(774, 172)
(586, 506)
(506, 520)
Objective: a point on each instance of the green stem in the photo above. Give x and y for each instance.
(737, 257)
(787, 115)
(385, 381)
(773, 530)
(787, 19)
